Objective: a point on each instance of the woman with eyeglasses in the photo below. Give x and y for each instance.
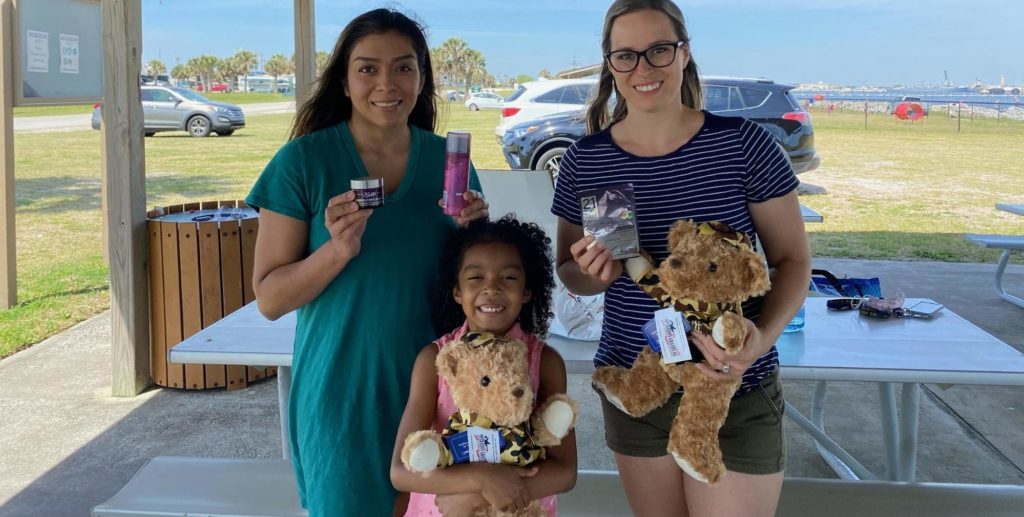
(683, 163)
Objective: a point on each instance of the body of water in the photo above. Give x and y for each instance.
(929, 95)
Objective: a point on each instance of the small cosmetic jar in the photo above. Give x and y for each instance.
(369, 191)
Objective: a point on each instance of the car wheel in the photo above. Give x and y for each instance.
(473, 107)
(550, 161)
(198, 126)
(226, 133)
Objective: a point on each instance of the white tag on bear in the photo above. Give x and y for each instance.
(484, 445)
(672, 336)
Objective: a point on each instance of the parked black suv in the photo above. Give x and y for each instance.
(540, 143)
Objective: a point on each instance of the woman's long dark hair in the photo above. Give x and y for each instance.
(329, 106)
(597, 113)
(534, 248)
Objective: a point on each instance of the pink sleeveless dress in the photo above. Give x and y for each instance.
(422, 505)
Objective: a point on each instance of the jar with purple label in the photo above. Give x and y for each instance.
(369, 191)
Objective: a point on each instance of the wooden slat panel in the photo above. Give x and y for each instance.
(209, 280)
(250, 228)
(158, 339)
(254, 374)
(173, 209)
(191, 309)
(192, 206)
(172, 299)
(209, 204)
(231, 285)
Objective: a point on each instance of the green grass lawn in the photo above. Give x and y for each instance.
(231, 98)
(910, 191)
(895, 191)
(46, 111)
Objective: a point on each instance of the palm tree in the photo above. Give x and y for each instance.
(321, 61)
(451, 59)
(156, 67)
(239, 65)
(277, 66)
(181, 73)
(474, 69)
(205, 66)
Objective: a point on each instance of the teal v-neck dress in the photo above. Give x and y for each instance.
(355, 344)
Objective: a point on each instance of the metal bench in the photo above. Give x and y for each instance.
(599, 494)
(210, 487)
(1007, 243)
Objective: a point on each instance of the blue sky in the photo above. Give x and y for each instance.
(853, 42)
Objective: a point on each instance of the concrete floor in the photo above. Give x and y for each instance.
(67, 445)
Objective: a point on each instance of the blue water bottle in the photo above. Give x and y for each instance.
(797, 323)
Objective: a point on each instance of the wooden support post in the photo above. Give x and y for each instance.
(125, 173)
(8, 255)
(305, 50)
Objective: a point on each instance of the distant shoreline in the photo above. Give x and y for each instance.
(949, 109)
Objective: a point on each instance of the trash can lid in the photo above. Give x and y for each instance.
(206, 215)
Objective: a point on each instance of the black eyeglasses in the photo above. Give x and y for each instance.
(658, 56)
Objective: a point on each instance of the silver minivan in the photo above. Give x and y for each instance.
(167, 108)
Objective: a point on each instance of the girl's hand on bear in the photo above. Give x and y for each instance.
(345, 222)
(715, 357)
(460, 505)
(595, 259)
(503, 487)
(476, 209)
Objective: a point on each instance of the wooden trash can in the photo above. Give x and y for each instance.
(200, 270)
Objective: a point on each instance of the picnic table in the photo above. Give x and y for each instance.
(1007, 243)
(833, 346)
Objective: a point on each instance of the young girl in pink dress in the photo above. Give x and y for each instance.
(499, 276)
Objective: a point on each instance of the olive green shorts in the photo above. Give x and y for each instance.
(751, 439)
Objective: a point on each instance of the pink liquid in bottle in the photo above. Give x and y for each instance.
(456, 172)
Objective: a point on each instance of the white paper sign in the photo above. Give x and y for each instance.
(672, 336)
(68, 54)
(484, 445)
(37, 50)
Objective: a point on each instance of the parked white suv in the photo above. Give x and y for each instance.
(539, 98)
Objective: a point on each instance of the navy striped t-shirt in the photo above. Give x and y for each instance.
(730, 162)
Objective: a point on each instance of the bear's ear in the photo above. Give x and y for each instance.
(679, 230)
(448, 360)
(757, 274)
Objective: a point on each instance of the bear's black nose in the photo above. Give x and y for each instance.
(517, 393)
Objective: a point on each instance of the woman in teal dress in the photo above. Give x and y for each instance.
(362, 280)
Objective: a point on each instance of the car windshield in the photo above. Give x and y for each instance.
(190, 95)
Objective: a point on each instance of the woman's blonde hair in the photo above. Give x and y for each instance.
(597, 113)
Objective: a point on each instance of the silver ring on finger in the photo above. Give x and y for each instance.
(726, 368)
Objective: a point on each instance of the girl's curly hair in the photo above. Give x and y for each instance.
(534, 248)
